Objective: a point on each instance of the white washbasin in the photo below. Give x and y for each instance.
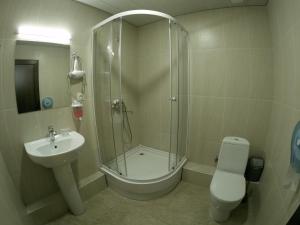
(63, 150)
(58, 155)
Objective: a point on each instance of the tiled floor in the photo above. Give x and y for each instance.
(188, 204)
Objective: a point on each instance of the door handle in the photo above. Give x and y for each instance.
(173, 99)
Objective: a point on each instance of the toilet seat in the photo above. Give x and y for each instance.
(228, 187)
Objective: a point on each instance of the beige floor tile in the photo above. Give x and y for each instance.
(188, 204)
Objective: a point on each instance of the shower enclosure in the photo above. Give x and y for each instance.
(141, 91)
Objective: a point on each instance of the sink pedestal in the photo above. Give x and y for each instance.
(65, 179)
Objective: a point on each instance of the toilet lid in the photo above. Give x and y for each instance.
(227, 186)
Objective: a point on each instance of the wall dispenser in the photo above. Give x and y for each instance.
(293, 174)
(77, 109)
(77, 106)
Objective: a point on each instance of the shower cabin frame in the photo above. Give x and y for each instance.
(151, 188)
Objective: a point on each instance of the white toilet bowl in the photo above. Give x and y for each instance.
(227, 191)
(228, 185)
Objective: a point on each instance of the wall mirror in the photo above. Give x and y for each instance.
(41, 71)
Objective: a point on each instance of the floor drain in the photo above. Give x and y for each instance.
(142, 153)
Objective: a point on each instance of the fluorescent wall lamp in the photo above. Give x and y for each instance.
(43, 34)
(236, 1)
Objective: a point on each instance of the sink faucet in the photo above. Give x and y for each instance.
(51, 133)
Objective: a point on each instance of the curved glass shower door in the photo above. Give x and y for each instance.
(141, 96)
(183, 93)
(179, 93)
(108, 95)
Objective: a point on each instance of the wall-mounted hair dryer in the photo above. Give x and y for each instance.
(77, 71)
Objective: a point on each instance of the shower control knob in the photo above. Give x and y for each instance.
(173, 99)
(116, 104)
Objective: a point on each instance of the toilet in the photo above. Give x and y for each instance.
(228, 185)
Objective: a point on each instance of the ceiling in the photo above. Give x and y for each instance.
(171, 7)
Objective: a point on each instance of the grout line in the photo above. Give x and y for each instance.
(232, 98)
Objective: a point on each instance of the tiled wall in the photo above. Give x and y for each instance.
(130, 82)
(231, 79)
(156, 119)
(32, 181)
(276, 204)
(154, 85)
(11, 209)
